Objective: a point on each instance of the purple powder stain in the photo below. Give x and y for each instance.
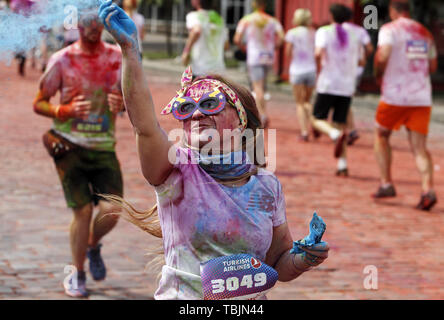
(302, 55)
(342, 36)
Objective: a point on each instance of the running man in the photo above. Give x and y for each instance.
(207, 40)
(299, 47)
(87, 74)
(405, 58)
(337, 49)
(264, 35)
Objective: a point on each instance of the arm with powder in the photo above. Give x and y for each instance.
(50, 83)
(289, 265)
(152, 142)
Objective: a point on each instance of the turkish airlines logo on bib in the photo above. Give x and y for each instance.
(238, 276)
(255, 263)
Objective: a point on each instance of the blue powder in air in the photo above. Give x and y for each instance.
(19, 33)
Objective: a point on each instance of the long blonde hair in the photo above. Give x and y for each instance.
(148, 220)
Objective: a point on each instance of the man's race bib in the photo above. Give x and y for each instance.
(94, 124)
(239, 276)
(417, 49)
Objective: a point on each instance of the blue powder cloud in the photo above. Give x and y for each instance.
(19, 33)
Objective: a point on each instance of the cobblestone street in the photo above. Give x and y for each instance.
(402, 243)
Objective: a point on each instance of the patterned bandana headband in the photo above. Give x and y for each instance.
(208, 84)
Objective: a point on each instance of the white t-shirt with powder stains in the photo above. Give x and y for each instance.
(202, 219)
(303, 56)
(340, 63)
(406, 80)
(207, 53)
(260, 31)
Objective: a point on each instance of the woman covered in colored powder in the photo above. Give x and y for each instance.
(299, 48)
(205, 209)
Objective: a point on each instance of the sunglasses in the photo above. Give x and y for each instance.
(209, 104)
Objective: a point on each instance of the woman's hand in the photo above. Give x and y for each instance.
(312, 256)
(119, 24)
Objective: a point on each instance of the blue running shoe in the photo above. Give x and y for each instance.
(77, 290)
(96, 264)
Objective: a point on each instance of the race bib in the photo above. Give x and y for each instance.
(265, 57)
(239, 276)
(417, 49)
(94, 124)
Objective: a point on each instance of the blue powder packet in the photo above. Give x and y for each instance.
(317, 229)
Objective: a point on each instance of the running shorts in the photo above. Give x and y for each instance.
(85, 173)
(308, 79)
(393, 117)
(258, 73)
(324, 102)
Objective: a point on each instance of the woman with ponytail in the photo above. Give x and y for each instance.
(210, 205)
(337, 52)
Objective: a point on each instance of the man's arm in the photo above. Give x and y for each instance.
(239, 35)
(279, 36)
(433, 65)
(320, 52)
(50, 83)
(368, 48)
(381, 59)
(319, 56)
(77, 108)
(191, 40)
(433, 57)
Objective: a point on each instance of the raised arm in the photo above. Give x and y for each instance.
(152, 142)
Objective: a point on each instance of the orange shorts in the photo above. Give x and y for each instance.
(393, 117)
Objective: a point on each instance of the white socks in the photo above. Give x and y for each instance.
(335, 134)
(342, 163)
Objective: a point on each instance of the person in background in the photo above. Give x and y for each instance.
(263, 35)
(405, 58)
(207, 40)
(3, 4)
(337, 54)
(365, 52)
(82, 139)
(299, 49)
(130, 7)
(22, 7)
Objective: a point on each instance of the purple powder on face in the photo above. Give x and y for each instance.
(342, 35)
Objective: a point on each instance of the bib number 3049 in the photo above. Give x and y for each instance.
(239, 276)
(232, 283)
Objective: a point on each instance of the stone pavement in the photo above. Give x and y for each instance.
(402, 243)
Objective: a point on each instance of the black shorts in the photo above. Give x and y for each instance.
(325, 102)
(86, 173)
